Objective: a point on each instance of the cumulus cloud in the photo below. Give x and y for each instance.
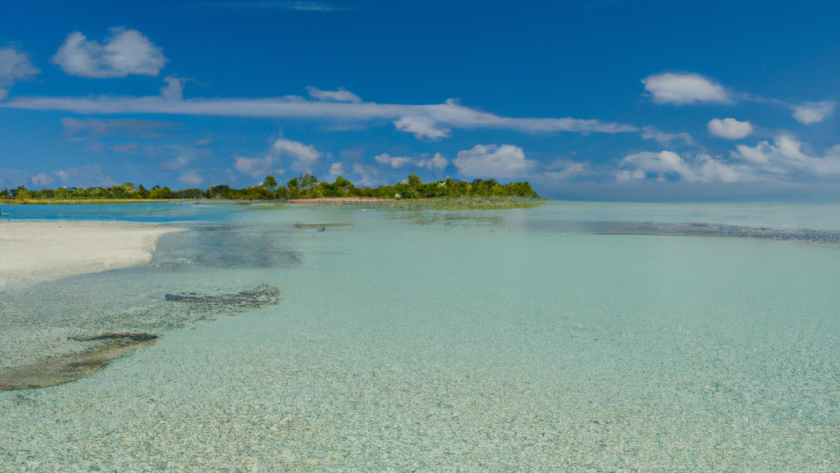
(435, 162)
(336, 169)
(652, 133)
(422, 127)
(14, 66)
(730, 128)
(301, 153)
(175, 164)
(505, 161)
(393, 161)
(340, 95)
(787, 154)
(682, 89)
(691, 168)
(367, 176)
(122, 53)
(569, 169)
(85, 176)
(424, 161)
(41, 179)
(449, 114)
(813, 112)
(174, 89)
(625, 175)
(190, 178)
(254, 167)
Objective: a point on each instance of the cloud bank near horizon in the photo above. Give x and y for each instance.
(424, 121)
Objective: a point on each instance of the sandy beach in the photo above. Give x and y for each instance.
(44, 251)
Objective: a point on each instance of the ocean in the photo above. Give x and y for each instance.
(568, 337)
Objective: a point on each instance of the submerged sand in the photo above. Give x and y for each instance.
(44, 251)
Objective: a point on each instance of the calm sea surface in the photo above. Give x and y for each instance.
(515, 340)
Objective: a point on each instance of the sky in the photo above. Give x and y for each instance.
(627, 100)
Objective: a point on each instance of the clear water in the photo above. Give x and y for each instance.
(444, 341)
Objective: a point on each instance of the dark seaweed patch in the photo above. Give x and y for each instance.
(53, 371)
(693, 229)
(320, 225)
(263, 295)
(176, 312)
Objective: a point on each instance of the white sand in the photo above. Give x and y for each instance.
(43, 251)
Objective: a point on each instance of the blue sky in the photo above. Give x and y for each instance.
(599, 99)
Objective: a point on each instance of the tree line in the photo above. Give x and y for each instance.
(305, 186)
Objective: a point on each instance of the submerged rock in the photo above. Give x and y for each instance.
(121, 334)
(56, 370)
(320, 226)
(262, 295)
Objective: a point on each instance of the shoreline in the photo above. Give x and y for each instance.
(40, 251)
(338, 201)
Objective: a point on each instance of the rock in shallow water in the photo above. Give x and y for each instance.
(56, 370)
(177, 312)
(262, 295)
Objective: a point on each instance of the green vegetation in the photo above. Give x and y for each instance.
(457, 194)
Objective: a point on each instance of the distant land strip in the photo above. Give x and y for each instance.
(299, 189)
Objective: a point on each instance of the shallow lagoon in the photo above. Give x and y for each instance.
(442, 341)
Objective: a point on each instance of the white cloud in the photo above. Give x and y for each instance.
(681, 89)
(435, 162)
(175, 164)
(448, 114)
(336, 169)
(569, 170)
(191, 178)
(813, 112)
(505, 161)
(652, 133)
(730, 128)
(696, 168)
(41, 179)
(625, 175)
(14, 66)
(422, 127)
(122, 53)
(393, 161)
(254, 167)
(174, 89)
(303, 154)
(339, 95)
(368, 176)
(85, 176)
(787, 154)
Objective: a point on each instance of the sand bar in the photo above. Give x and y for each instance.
(337, 201)
(42, 251)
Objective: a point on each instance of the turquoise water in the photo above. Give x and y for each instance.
(443, 341)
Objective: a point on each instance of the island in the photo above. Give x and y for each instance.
(304, 189)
